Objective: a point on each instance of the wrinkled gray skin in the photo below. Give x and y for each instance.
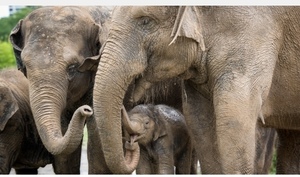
(20, 145)
(163, 137)
(240, 65)
(50, 46)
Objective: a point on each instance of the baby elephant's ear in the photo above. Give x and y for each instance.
(160, 132)
(8, 106)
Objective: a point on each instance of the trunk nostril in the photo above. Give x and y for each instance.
(87, 110)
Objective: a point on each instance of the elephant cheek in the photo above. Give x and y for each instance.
(80, 86)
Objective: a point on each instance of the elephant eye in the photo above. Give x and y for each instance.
(147, 124)
(146, 22)
(72, 70)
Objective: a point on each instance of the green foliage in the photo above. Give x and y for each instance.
(274, 162)
(7, 58)
(7, 23)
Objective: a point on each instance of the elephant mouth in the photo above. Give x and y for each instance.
(134, 138)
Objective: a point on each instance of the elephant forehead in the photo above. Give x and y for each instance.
(170, 113)
(160, 12)
(139, 117)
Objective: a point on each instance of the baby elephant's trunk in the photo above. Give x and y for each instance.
(127, 123)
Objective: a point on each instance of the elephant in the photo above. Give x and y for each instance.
(266, 142)
(50, 45)
(239, 66)
(164, 139)
(20, 145)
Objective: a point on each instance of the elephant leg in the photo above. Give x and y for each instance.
(184, 162)
(95, 154)
(145, 165)
(165, 163)
(27, 171)
(198, 112)
(68, 164)
(194, 165)
(10, 143)
(288, 154)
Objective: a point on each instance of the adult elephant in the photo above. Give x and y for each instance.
(20, 146)
(50, 45)
(240, 64)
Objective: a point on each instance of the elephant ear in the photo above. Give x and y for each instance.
(160, 132)
(90, 64)
(160, 125)
(8, 106)
(16, 39)
(187, 24)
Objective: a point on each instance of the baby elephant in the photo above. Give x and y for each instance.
(20, 146)
(163, 137)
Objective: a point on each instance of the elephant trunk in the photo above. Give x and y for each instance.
(47, 103)
(112, 80)
(127, 123)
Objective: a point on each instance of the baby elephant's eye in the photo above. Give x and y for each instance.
(147, 124)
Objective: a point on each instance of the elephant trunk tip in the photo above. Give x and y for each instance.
(70, 141)
(86, 111)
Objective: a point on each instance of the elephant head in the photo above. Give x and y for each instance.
(14, 97)
(141, 47)
(50, 45)
(142, 125)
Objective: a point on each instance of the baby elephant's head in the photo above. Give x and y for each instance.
(142, 124)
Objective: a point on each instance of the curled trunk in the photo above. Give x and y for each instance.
(109, 91)
(47, 103)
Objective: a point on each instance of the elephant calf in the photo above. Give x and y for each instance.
(20, 145)
(163, 137)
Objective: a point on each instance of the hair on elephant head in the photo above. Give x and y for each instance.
(57, 48)
(164, 139)
(144, 124)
